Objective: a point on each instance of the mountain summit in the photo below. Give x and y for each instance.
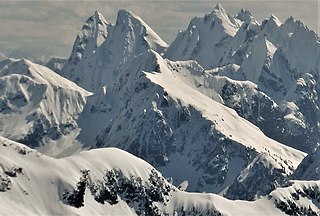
(84, 52)
(206, 38)
(101, 48)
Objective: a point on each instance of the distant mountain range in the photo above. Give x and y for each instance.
(230, 107)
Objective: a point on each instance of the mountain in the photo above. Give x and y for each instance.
(170, 130)
(84, 52)
(272, 56)
(111, 181)
(36, 104)
(206, 38)
(229, 108)
(103, 47)
(138, 107)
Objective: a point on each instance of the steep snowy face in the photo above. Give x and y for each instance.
(92, 35)
(112, 181)
(36, 104)
(105, 48)
(134, 27)
(206, 38)
(146, 114)
(84, 52)
(130, 37)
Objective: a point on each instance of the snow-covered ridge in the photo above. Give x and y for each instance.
(181, 127)
(88, 184)
(36, 103)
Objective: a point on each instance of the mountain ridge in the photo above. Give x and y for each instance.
(225, 109)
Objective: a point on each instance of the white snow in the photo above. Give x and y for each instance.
(34, 94)
(39, 186)
(228, 122)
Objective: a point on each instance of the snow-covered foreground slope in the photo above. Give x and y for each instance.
(36, 104)
(109, 181)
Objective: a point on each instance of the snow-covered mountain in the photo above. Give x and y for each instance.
(111, 181)
(282, 59)
(171, 130)
(36, 104)
(206, 39)
(138, 107)
(228, 108)
(104, 47)
(84, 56)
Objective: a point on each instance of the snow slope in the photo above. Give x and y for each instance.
(37, 105)
(89, 184)
(145, 113)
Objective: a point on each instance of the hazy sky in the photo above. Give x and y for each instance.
(42, 29)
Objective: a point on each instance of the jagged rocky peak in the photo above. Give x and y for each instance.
(245, 16)
(219, 20)
(275, 19)
(101, 49)
(135, 27)
(226, 20)
(269, 25)
(95, 27)
(292, 21)
(219, 11)
(83, 58)
(206, 38)
(291, 25)
(92, 35)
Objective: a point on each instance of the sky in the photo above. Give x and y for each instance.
(40, 29)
